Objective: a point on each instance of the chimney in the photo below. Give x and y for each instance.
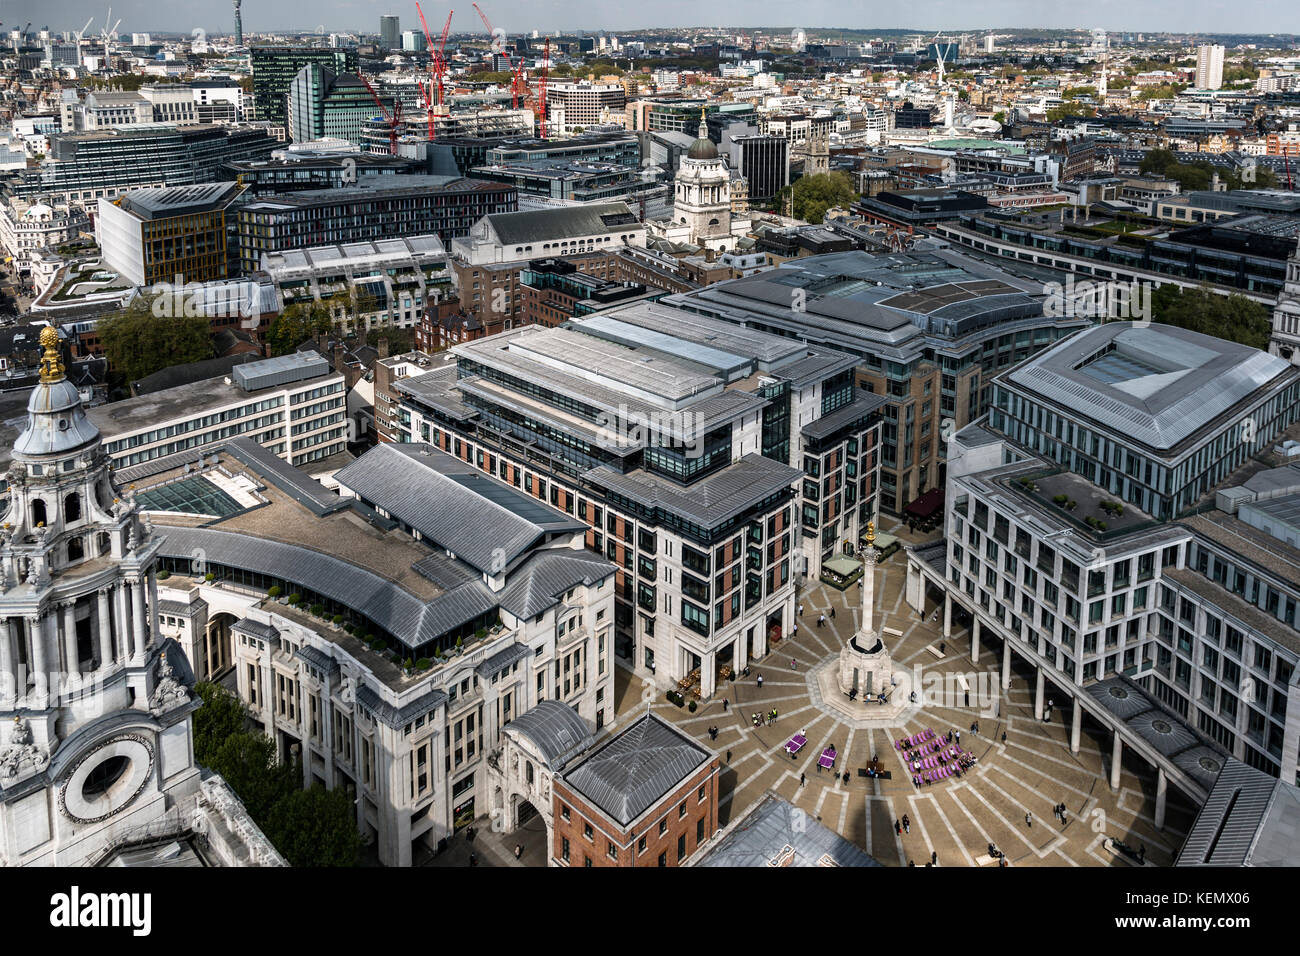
(382, 346)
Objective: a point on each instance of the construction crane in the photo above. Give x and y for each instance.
(541, 89)
(393, 119)
(515, 66)
(437, 61)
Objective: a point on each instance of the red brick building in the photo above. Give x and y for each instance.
(646, 797)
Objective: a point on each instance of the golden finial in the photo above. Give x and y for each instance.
(51, 362)
(871, 532)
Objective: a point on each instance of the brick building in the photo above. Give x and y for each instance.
(646, 797)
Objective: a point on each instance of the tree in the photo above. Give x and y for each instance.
(1066, 110)
(812, 196)
(315, 827)
(247, 762)
(297, 323)
(220, 718)
(141, 340)
(1231, 317)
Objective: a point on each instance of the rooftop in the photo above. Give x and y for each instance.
(1157, 385)
(776, 833)
(1250, 819)
(165, 202)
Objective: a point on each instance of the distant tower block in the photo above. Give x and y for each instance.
(239, 25)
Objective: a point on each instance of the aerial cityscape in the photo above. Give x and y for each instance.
(507, 439)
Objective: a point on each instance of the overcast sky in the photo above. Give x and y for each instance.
(514, 16)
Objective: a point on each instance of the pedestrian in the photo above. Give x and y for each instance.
(760, 681)
(957, 734)
(728, 760)
(803, 778)
(1029, 819)
(941, 648)
(934, 857)
(1004, 736)
(794, 665)
(473, 860)
(726, 703)
(907, 826)
(821, 620)
(898, 827)
(469, 834)
(832, 612)
(1064, 821)
(846, 778)
(801, 609)
(519, 850)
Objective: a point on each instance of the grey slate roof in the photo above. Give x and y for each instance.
(300, 486)
(368, 698)
(396, 610)
(258, 629)
(513, 228)
(864, 403)
(318, 659)
(555, 729)
(541, 582)
(634, 770)
(1250, 819)
(503, 659)
(777, 833)
(483, 521)
(708, 501)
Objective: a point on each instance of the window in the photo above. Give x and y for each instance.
(564, 849)
(587, 833)
(640, 845)
(611, 850)
(663, 827)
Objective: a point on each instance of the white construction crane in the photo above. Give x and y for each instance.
(76, 38)
(109, 33)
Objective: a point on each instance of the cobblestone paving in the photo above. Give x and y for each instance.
(955, 819)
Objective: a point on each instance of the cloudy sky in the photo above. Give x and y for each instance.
(592, 15)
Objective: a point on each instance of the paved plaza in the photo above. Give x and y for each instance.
(955, 819)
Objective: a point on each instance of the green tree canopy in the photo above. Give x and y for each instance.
(298, 322)
(221, 717)
(315, 827)
(137, 342)
(247, 761)
(1066, 110)
(1232, 317)
(812, 196)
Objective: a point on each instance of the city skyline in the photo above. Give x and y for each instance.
(515, 16)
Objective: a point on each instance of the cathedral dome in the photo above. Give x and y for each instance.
(702, 149)
(56, 421)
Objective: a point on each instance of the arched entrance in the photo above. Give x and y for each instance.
(217, 648)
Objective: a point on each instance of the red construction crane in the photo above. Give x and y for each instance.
(541, 90)
(437, 60)
(394, 119)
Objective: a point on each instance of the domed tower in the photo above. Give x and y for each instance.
(1285, 339)
(702, 194)
(94, 732)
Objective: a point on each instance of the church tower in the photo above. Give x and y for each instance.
(702, 194)
(1285, 338)
(95, 736)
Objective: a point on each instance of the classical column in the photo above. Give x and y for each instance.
(708, 674)
(139, 638)
(8, 673)
(1076, 724)
(104, 626)
(947, 616)
(741, 656)
(1006, 663)
(40, 668)
(153, 610)
(1116, 757)
(975, 640)
(70, 660)
(1038, 693)
(125, 644)
(1162, 786)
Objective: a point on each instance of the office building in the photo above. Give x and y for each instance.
(274, 70)
(381, 207)
(712, 464)
(293, 406)
(324, 104)
(390, 32)
(572, 107)
(1209, 66)
(85, 167)
(1122, 523)
(764, 161)
(171, 234)
(929, 329)
(400, 653)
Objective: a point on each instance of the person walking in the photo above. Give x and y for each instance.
(907, 826)
(957, 734)
(794, 665)
(934, 857)
(1004, 736)
(832, 612)
(760, 681)
(801, 609)
(1029, 819)
(728, 760)
(519, 850)
(898, 827)
(727, 703)
(803, 778)
(821, 620)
